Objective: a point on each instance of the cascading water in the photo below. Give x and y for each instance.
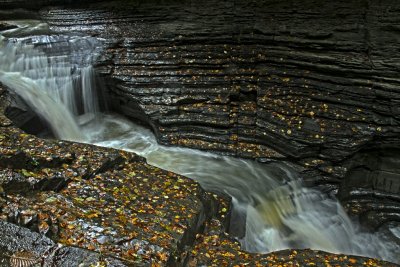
(51, 85)
(278, 212)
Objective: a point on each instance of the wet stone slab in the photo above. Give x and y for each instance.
(99, 199)
(19, 242)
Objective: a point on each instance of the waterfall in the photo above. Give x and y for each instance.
(278, 211)
(50, 85)
(57, 115)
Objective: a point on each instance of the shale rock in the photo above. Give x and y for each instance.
(371, 189)
(23, 117)
(259, 79)
(308, 82)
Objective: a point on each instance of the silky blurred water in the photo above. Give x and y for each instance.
(58, 87)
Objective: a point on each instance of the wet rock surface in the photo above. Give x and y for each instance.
(41, 250)
(309, 83)
(215, 248)
(306, 82)
(262, 80)
(371, 189)
(71, 204)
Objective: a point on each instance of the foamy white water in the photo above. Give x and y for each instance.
(57, 90)
(57, 116)
(278, 211)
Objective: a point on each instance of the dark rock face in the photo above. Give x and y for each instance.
(371, 189)
(308, 82)
(258, 79)
(24, 117)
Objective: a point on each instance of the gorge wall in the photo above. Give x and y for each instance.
(310, 82)
(249, 78)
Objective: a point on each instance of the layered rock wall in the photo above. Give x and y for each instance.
(310, 82)
(259, 79)
(306, 81)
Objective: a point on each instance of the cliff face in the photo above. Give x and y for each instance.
(250, 78)
(310, 82)
(315, 83)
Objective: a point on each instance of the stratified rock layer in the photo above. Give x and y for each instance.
(294, 77)
(309, 82)
(258, 79)
(303, 81)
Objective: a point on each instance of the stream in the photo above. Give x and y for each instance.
(272, 210)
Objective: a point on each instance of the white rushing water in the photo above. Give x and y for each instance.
(278, 211)
(50, 85)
